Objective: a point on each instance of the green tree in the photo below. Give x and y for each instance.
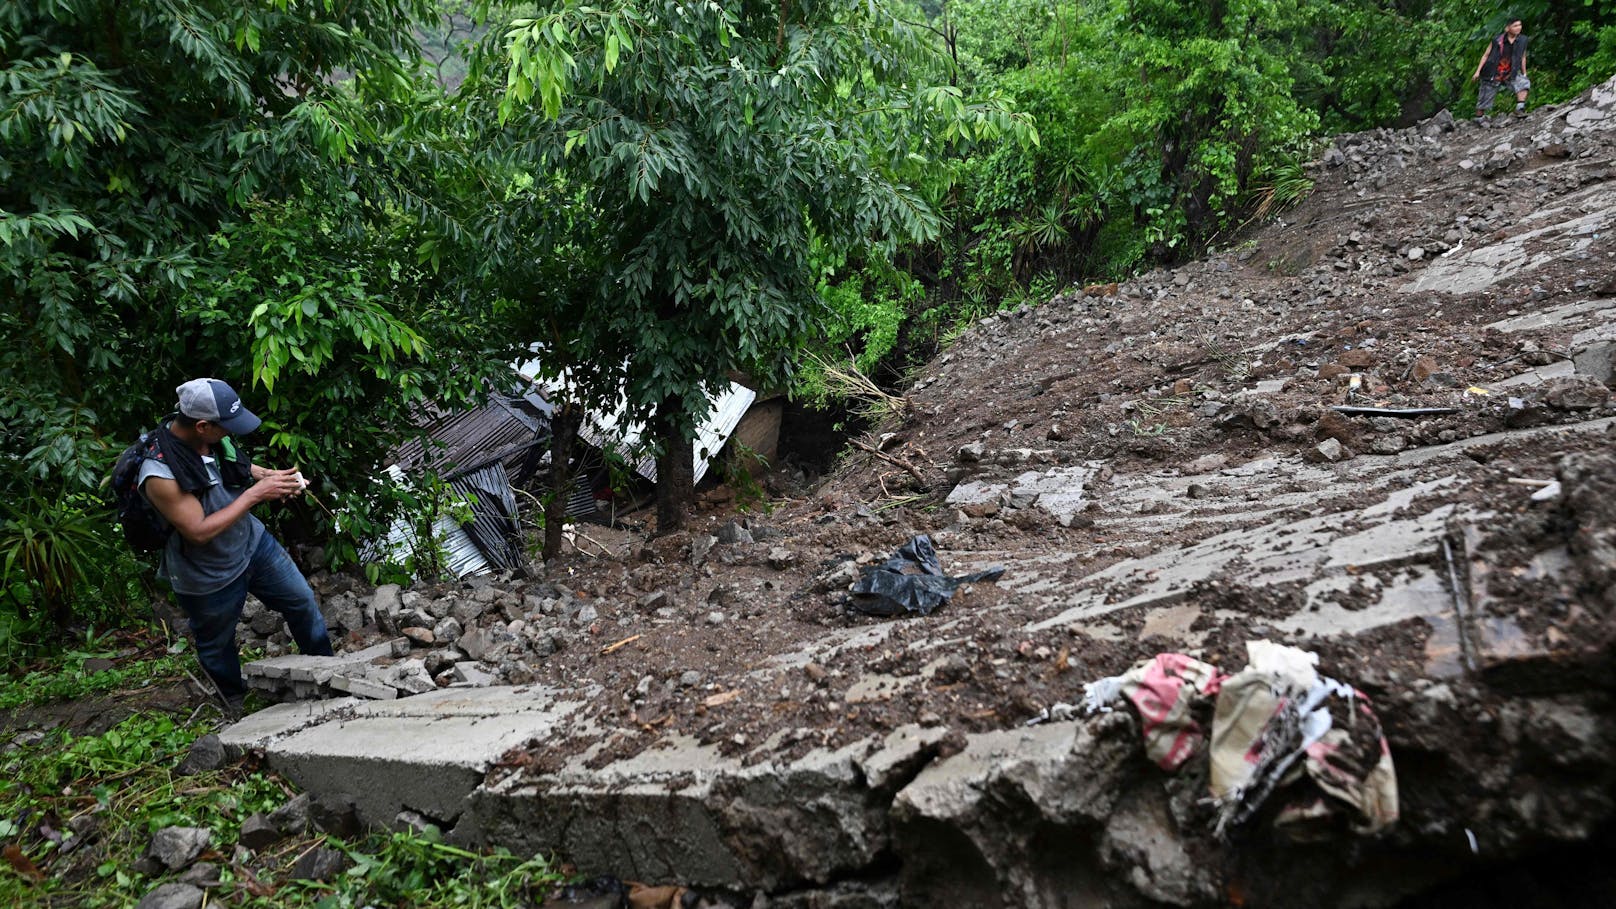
(720, 146)
(201, 187)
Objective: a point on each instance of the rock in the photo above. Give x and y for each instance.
(176, 847)
(1388, 445)
(1142, 842)
(467, 611)
(715, 618)
(447, 631)
(971, 453)
(1357, 358)
(653, 601)
(839, 577)
(1333, 371)
(781, 558)
(476, 643)
(473, 674)
(1416, 253)
(732, 533)
(172, 896)
(1597, 361)
(320, 864)
(1334, 157)
(422, 637)
(337, 816)
(295, 817)
(207, 753)
(342, 612)
(202, 874)
(1423, 369)
(586, 614)
(690, 679)
(387, 599)
(700, 547)
(1575, 393)
(411, 677)
(258, 831)
(1329, 450)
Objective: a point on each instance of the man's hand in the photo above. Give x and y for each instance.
(275, 485)
(1475, 75)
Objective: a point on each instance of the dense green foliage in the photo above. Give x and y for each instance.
(205, 188)
(722, 150)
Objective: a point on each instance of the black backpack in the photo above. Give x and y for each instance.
(144, 529)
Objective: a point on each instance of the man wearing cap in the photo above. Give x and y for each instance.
(219, 552)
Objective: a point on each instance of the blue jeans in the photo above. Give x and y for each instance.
(273, 578)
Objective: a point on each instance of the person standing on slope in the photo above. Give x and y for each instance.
(1503, 64)
(219, 552)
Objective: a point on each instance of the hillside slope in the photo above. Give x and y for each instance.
(1159, 467)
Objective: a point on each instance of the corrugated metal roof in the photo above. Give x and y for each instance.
(505, 429)
(461, 555)
(602, 430)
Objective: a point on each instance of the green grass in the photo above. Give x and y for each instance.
(77, 813)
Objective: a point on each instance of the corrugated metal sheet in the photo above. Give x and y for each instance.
(493, 527)
(462, 556)
(603, 431)
(505, 430)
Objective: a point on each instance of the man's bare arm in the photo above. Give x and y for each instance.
(184, 511)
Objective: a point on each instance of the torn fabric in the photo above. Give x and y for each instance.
(1274, 723)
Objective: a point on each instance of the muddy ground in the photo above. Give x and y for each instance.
(1221, 362)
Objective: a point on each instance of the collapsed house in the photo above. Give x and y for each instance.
(488, 453)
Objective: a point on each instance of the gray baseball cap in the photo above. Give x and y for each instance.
(216, 402)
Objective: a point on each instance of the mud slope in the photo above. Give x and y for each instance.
(1159, 467)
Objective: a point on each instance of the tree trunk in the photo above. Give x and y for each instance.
(676, 475)
(563, 436)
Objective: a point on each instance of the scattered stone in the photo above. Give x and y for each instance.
(701, 547)
(447, 631)
(337, 816)
(387, 599)
(473, 674)
(1329, 450)
(1575, 393)
(172, 896)
(653, 601)
(732, 533)
(319, 864)
(422, 637)
(690, 679)
(176, 847)
(295, 817)
(258, 832)
(202, 874)
(207, 753)
(971, 453)
(781, 558)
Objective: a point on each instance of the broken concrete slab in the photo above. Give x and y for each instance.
(686, 811)
(1539, 375)
(424, 753)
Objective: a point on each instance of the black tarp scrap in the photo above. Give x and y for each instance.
(911, 581)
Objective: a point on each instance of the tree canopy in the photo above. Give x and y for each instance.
(723, 150)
